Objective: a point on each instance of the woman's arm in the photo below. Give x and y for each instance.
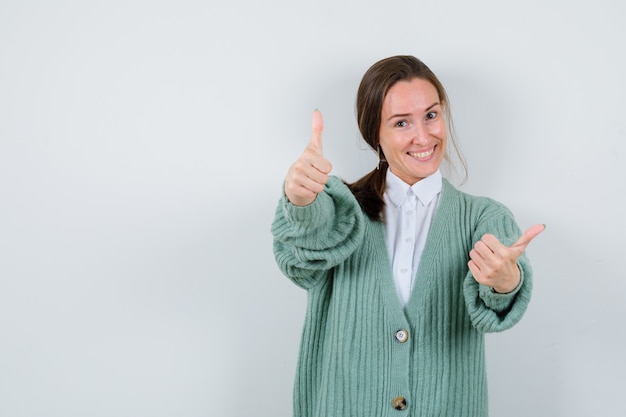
(499, 283)
(311, 240)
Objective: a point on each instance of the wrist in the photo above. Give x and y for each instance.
(506, 289)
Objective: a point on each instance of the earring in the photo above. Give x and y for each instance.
(380, 160)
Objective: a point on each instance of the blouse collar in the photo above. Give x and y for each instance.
(425, 190)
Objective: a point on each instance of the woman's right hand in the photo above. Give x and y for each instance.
(308, 175)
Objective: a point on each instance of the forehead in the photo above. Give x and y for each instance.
(409, 96)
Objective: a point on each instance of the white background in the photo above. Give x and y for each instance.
(142, 150)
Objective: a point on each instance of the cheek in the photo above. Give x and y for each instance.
(386, 150)
(439, 130)
(386, 141)
(392, 145)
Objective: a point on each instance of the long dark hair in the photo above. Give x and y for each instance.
(376, 82)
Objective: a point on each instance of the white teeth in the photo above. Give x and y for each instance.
(422, 155)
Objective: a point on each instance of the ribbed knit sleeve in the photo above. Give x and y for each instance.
(310, 240)
(488, 310)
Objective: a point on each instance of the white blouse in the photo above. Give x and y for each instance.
(409, 212)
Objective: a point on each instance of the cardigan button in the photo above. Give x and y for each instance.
(402, 335)
(399, 403)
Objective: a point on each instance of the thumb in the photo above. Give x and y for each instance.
(317, 126)
(531, 233)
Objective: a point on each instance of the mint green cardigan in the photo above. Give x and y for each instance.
(351, 362)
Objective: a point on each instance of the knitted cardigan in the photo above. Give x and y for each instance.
(352, 361)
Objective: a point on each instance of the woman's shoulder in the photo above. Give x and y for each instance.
(478, 203)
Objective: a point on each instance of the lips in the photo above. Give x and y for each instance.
(422, 155)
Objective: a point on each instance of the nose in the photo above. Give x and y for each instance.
(420, 134)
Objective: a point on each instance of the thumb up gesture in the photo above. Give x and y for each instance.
(495, 265)
(308, 175)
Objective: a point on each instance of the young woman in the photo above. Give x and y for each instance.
(404, 272)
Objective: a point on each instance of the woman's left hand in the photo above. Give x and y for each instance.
(495, 265)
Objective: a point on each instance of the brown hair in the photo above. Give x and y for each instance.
(376, 82)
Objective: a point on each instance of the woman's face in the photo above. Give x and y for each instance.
(413, 130)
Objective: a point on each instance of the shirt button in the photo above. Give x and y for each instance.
(399, 403)
(402, 335)
(404, 270)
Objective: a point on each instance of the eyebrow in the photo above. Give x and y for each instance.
(408, 114)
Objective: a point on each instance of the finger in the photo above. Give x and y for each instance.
(476, 257)
(317, 126)
(474, 269)
(311, 166)
(483, 250)
(321, 164)
(483, 258)
(528, 235)
(312, 185)
(491, 243)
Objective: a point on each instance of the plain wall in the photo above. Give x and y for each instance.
(143, 146)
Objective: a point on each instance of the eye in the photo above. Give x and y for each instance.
(431, 115)
(402, 123)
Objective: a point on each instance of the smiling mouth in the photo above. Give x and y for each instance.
(422, 155)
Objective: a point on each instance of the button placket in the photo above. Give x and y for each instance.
(403, 271)
(401, 356)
